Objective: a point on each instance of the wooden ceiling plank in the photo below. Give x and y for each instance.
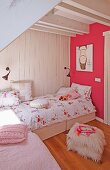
(72, 16)
(64, 23)
(42, 28)
(92, 9)
(81, 13)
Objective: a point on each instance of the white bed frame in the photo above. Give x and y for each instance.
(56, 128)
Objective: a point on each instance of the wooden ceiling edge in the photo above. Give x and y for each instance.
(85, 8)
(63, 27)
(72, 16)
(62, 22)
(55, 28)
(85, 15)
(53, 31)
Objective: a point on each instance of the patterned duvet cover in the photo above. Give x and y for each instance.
(58, 111)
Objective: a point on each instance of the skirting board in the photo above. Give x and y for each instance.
(99, 119)
(56, 128)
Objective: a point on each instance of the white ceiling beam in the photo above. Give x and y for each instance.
(45, 24)
(64, 23)
(98, 7)
(71, 16)
(55, 28)
(81, 13)
(44, 28)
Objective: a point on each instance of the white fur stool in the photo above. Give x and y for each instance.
(87, 140)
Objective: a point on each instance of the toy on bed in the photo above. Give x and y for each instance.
(64, 97)
(70, 96)
(77, 90)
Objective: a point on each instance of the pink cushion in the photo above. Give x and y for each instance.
(13, 133)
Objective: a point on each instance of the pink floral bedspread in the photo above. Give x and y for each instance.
(31, 154)
(58, 111)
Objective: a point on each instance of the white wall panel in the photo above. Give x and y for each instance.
(39, 57)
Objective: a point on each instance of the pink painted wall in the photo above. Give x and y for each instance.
(96, 38)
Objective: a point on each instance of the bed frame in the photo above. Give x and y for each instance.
(56, 128)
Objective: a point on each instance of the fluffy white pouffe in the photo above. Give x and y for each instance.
(87, 140)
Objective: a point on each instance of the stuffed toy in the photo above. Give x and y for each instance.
(66, 97)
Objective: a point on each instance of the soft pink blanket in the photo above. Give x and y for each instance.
(13, 133)
(30, 154)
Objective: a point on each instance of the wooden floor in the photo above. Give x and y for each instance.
(69, 160)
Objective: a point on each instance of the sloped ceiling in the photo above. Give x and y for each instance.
(16, 16)
(66, 17)
(72, 17)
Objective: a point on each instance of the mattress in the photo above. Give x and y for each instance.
(31, 154)
(58, 111)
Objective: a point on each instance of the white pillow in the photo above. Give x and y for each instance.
(63, 90)
(24, 88)
(9, 98)
(83, 90)
(40, 103)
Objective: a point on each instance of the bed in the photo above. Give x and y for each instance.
(20, 149)
(60, 114)
(31, 154)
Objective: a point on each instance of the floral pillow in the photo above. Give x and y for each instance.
(84, 91)
(74, 94)
(63, 90)
(25, 89)
(9, 98)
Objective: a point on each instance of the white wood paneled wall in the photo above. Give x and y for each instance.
(39, 57)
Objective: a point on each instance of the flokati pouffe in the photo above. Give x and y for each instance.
(40, 103)
(87, 140)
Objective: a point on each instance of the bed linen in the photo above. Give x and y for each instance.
(31, 154)
(58, 111)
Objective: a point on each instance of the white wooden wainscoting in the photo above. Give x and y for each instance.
(107, 77)
(39, 57)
